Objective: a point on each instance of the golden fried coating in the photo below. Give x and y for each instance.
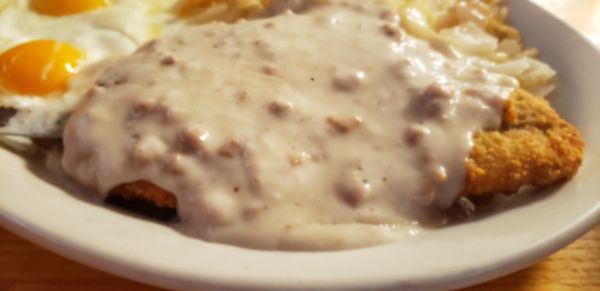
(144, 190)
(534, 147)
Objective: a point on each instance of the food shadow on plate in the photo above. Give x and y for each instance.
(42, 158)
(473, 209)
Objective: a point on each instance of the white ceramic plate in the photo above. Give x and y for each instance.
(451, 257)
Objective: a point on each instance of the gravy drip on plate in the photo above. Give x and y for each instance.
(329, 128)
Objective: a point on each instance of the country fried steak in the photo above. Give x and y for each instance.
(534, 147)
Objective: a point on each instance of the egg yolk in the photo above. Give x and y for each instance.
(65, 7)
(38, 67)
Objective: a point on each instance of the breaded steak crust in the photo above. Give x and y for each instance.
(534, 147)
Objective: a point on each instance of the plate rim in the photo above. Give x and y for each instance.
(100, 259)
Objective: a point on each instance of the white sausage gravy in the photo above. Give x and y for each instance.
(327, 128)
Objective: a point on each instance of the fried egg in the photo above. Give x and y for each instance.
(51, 51)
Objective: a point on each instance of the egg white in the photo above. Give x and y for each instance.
(102, 34)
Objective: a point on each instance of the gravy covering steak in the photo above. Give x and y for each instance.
(327, 129)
